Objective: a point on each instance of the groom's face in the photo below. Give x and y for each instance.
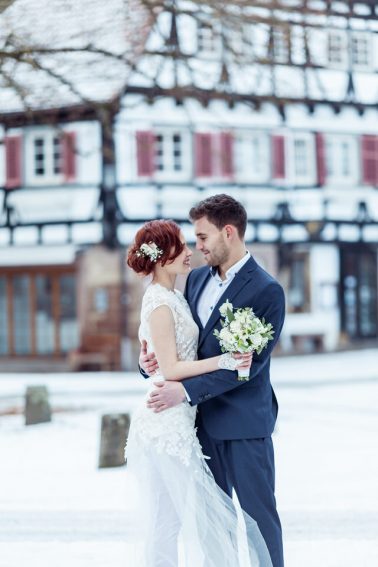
(211, 242)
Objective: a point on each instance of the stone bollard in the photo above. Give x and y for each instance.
(114, 432)
(37, 406)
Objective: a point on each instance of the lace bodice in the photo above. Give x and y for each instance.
(171, 431)
(185, 327)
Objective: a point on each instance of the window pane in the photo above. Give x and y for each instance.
(39, 156)
(159, 156)
(335, 48)
(44, 318)
(360, 51)
(206, 38)
(3, 316)
(329, 158)
(21, 314)
(281, 45)
(297, 288)
(300, 150)
(345, 159)
(177, 152)
(69, 335)
(57, 155)
(256, 155)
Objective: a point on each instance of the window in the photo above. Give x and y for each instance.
(3, 316)
(281, 45)
(168, 152)
(361, 50)
(163, 154)
(207, 39)
(46, 157)
(300, 156)
(337, 52)
(21, 314)
(252, 157)
(303, 159)
(37, 312)
(299, 288)
(341, 159)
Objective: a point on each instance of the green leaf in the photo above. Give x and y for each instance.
(230, 315)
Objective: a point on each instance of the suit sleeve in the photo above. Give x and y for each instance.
(207, 386)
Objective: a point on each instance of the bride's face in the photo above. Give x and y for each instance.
(181, 264)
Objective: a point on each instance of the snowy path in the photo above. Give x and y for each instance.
(57, 509)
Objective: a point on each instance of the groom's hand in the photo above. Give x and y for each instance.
(147, 361)
(167, 395)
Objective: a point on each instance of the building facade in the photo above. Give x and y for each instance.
(278, 110)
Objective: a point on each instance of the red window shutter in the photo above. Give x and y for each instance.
(13, 161)
(369, 150)
(278, 154)
(227, 154)
(203, 153)
(69, 155)
(145, 141)
(320, 158)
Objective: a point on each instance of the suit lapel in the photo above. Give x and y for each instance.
(202, 280)
(235, 287)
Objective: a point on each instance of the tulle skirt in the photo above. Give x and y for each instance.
(181, 517)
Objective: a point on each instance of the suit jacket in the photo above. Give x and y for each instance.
(228, 408)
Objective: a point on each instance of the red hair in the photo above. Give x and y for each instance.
(165, 234)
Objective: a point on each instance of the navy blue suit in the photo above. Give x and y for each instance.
(235, 419)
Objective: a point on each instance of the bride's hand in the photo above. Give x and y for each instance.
(147, 361)
(245, 359)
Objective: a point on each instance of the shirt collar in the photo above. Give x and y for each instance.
(233, 270)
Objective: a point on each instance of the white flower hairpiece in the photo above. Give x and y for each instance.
(150, 250)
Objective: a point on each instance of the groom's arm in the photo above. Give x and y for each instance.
(207, 386)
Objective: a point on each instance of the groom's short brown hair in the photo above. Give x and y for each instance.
(221, 210)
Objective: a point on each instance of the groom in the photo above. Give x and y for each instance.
(235, 419)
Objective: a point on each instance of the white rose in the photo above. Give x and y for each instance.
(235, 327)
(226, 336)
(227, 306)
(256, 340)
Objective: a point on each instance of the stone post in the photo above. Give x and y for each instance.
(114, 432)
(37, 406)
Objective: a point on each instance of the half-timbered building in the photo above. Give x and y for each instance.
(274, 102)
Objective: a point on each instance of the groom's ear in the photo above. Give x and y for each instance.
(229, 230)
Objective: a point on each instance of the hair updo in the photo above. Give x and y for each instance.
(165, 234)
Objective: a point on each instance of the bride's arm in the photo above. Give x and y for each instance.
(162, 330)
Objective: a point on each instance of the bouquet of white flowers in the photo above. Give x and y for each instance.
(242, 332)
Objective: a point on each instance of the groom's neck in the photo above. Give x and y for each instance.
(236, 255)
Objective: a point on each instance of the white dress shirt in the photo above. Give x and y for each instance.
(216, 287)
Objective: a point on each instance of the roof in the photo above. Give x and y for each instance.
(62, 53)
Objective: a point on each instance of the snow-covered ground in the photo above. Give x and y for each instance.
(58, 509)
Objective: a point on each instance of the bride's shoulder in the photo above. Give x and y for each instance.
(156, 293)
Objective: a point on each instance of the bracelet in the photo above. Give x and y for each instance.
(227, 362)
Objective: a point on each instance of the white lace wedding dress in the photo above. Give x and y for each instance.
(181, 517)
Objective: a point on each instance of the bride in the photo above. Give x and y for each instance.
(182, 518)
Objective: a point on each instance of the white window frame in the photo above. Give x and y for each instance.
(281, 45)
(49, 177)
(333, 152)
(355, 38)
(245, 164)
(211, 44)
(309, 176)
(169, 173)
(342, 38)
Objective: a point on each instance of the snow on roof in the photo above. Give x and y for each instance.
(57, 25)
